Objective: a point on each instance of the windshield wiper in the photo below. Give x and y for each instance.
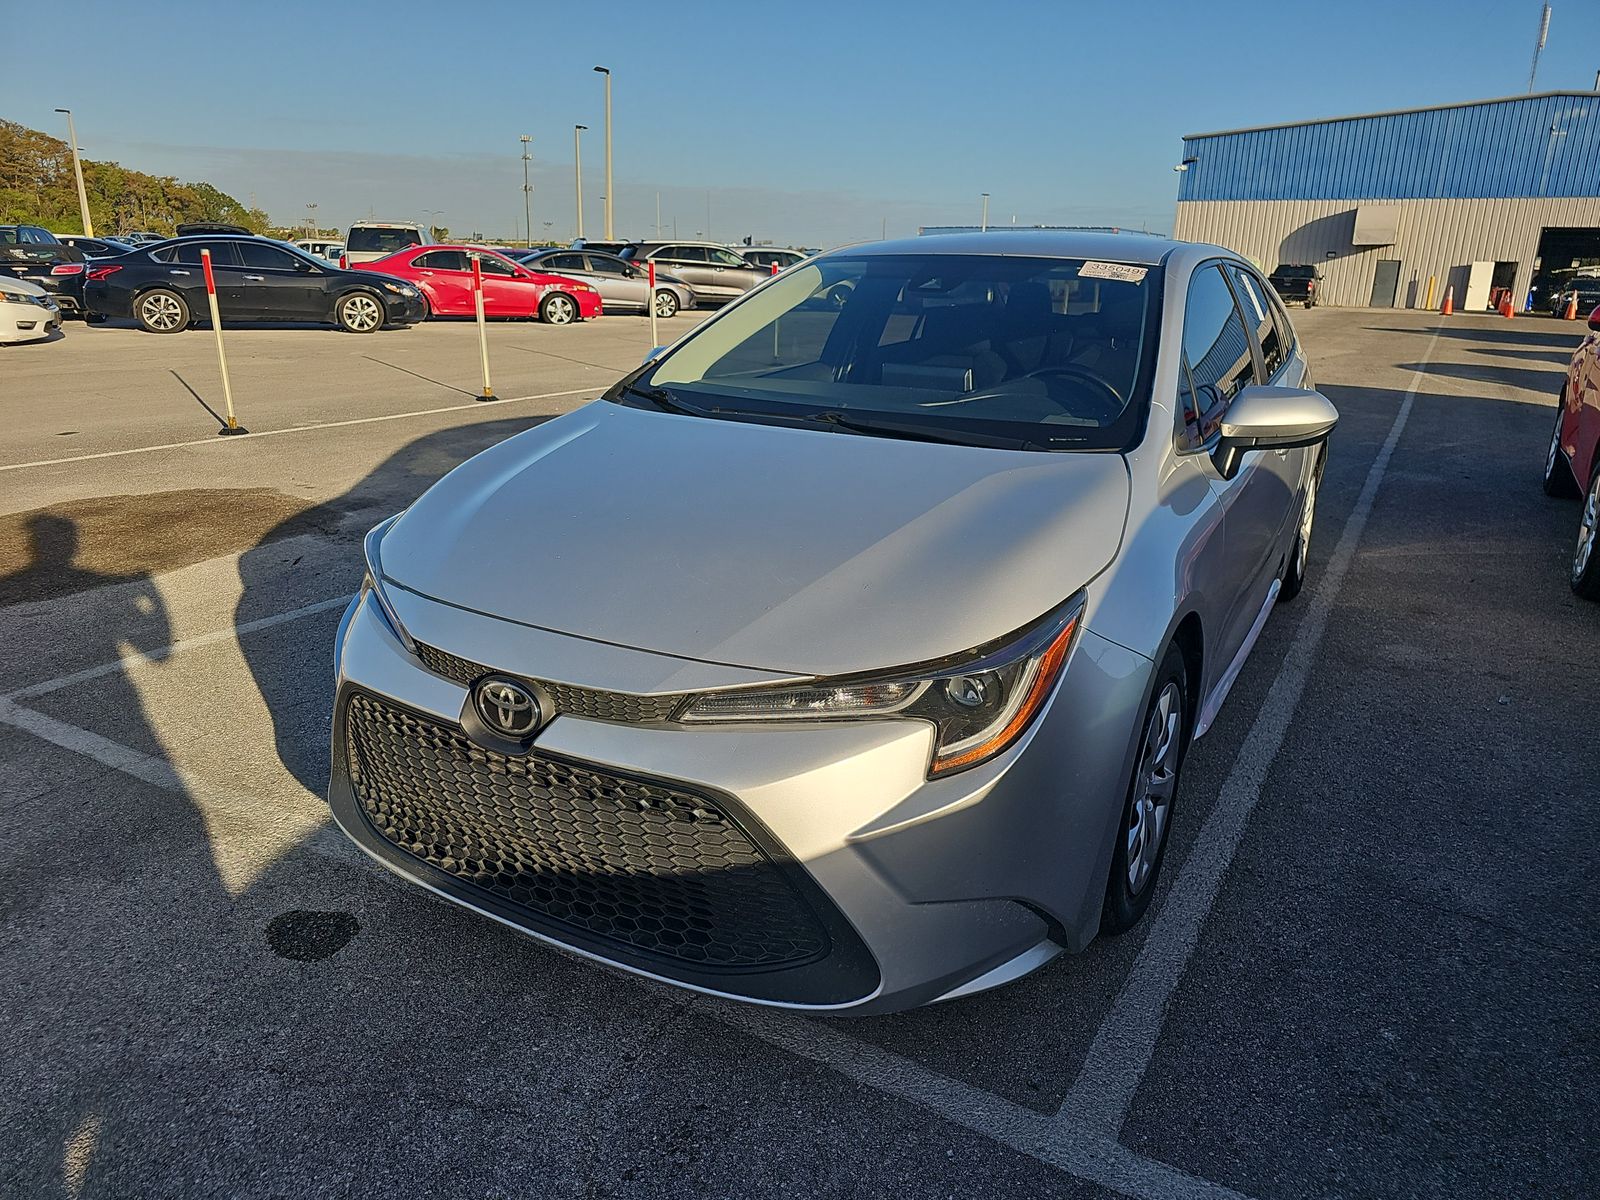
(916, 431)
(663, 399)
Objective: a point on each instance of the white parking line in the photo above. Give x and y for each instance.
(1120, 1053)
(256, 437)
(205, 639)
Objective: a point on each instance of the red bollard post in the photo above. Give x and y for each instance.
(483, 332)
(232, 428)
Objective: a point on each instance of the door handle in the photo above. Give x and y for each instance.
(177, 272)
(256, 278)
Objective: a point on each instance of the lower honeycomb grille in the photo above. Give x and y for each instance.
(660, 869)
(577, 701)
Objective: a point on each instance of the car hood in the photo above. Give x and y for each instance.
(20, 287)
(771, 547)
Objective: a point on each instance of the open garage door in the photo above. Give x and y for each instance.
(1563, 253)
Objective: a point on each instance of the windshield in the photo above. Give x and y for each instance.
(367, 239)
(1048, 352)
(1295, 272)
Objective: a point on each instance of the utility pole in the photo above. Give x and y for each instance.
(658, 194)
(985, 226)
(577, 171)
(611, 231)
(527, 190)
(77, 169)
(708, 214)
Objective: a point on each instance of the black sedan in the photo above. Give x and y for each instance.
(33, 253)
(96, 247)
(163, 287)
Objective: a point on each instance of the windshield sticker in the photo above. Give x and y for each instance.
(1105, 270)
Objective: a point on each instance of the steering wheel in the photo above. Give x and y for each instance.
(1109, 396)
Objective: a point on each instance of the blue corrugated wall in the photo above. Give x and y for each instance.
(1538, 146)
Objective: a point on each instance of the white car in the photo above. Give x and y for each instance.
(322, 248)
(27, 313)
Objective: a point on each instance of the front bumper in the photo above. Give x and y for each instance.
(403, 310)
(892, 890)
(28, 322)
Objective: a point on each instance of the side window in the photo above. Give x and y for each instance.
(695, 254)
(1258, 312)
(1285, 330)
(253, 254)
(560, 262)
(495, 266)
(1217, 350)
(441, 260)
(726, 258)
(222, 253)
(607, 266)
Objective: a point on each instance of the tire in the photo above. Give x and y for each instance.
(1558, 477)
(1146, 824)
(94, 318)
(359, 312)
(161, 310)
(558, 308)
(666, 304)
(1294, 571)
(1585, 577)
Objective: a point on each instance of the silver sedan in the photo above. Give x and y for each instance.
(845, 656)
(623, 286)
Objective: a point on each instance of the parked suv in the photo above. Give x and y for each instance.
(1572, 466)
(623, 286)
(369, 241)
(714, 272)
(765, 256)
(1295, 283)
(37, 255)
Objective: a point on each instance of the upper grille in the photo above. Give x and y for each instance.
(578, 701)
(661, 869)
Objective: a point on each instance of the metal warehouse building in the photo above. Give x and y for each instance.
(1383, 204)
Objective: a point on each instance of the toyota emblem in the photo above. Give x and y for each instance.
(506, 708)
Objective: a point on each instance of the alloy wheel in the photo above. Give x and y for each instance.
(160, 311)
(1555, 446)
(1157, 781)
(1588, 530)
(666, 304)
(361, 313)
(558, 310)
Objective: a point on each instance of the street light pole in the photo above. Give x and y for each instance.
(611, 231)
(577, 170)
(77, 169)
(311, 220)
(527, 189)
(985, 228)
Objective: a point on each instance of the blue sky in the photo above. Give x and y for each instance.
(812, 123)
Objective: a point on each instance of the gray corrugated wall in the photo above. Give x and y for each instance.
(1435, 237)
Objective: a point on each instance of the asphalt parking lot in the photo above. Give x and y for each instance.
(1370, 971)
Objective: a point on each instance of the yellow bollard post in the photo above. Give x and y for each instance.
(232, 428)
(483, 330)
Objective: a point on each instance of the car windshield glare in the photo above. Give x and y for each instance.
(1048, 352)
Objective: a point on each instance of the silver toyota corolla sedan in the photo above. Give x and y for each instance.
(845, 655)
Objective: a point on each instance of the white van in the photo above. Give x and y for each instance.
(369, 240)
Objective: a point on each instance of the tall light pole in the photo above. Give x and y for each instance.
(432, 212)
(577, 170)
(527, 190)
(311, 219)
(985, 227)
(77, 169)
(611, 231)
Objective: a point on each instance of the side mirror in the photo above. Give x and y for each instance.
(1594, 319)
(1271, 418)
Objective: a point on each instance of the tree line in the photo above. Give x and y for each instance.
(37, 188)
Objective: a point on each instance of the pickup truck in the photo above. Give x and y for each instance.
(35, 254)
(1295, 283)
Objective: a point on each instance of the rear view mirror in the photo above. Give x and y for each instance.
(1594, 319)
(1271, 418)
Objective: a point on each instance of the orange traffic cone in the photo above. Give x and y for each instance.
(1449, 305)
(1505, 305)
(1572, 307)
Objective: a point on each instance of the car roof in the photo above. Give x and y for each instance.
(1117, 247)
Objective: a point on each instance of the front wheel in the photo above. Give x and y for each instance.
(1147, 813)
(1586, 557)
(161, 311)
(359, 312)
(558, 309)
(666, 304)
(1558, 477)
(1294, 572)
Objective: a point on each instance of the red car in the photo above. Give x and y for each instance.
(444, 276)
(1572, 468)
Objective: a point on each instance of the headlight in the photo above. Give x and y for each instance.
(16, 298)
(977, 707)
(374, 581)
(400, 289)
